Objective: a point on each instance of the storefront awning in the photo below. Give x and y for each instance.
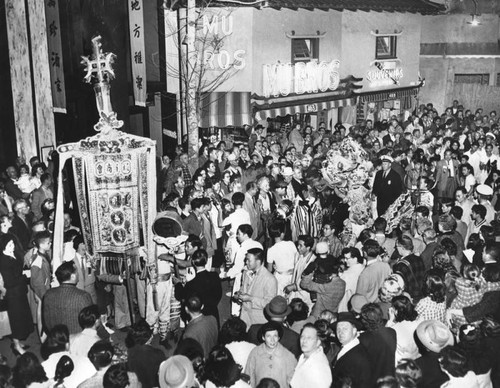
(223, 109)
(387, 95)
(289, 105)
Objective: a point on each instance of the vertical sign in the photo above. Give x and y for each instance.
(20, 75)
(55, 55)
(137, 50)
(41, 74)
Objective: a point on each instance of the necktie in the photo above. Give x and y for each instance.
(450, 167)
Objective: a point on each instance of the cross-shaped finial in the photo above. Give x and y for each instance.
(99, 64)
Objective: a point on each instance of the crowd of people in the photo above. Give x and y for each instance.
(356, 256)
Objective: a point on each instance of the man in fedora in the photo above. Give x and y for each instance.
(276, 311)
(352, 361)
(433, 337)
(177, 371)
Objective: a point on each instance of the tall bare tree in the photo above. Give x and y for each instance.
(195, 70)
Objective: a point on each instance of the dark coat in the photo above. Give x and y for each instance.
(18, 309)
(22, 231)
(386, 189)
(432, 375)
(427, 254)
(206, 285)
(61, 305)
(203, 329)
(192, 225)
(144, 361)
(356, 365)
(380, 346)
(13, 190)
(290, 339)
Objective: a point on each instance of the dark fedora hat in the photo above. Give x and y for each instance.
(277, 308)
(348, 317)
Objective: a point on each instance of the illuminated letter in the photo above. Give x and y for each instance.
(239, 59)
(210, 26)
(227, 25)
(300, 77)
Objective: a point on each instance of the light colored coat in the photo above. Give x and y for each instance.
(263, 287)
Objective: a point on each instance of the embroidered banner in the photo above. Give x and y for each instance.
(137, 50)
(55, 55)
(112, 182)
(20, 76)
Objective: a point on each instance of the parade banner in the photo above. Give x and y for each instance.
(137, 50)
(112, 182)
(55, 56)
(20, 76)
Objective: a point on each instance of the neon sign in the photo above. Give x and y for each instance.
(281, 79)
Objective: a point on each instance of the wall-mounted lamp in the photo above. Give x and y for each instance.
(475, 21)
(475, 16)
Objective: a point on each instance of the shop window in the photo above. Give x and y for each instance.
(385, 47)
(482, 79)
(305, 49)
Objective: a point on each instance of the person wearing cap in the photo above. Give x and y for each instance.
(258, 288)
(434, 336)
(287, 174)
(447, 176)
(352, 361)
(232, 165)
(313, 369)
(375, 272)
(277, 311)
(387, 186)
(484, 195)
(326, 283)
(271, 359)
(177, 372)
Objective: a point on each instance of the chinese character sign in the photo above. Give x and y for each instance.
(137, 47)
(55, 55)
